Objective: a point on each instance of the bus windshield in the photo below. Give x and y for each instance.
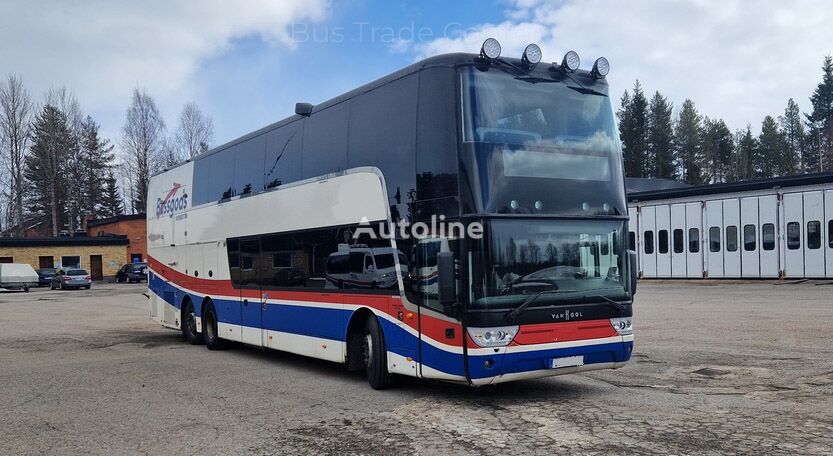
(526, 137)
(573, 261)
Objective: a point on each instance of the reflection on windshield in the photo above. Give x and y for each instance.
(574, 259)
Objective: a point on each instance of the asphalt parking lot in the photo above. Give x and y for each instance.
(718, 368)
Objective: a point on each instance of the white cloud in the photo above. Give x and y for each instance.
(103, 49)
(737, 60)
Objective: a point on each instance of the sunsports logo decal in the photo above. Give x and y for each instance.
(172, 203)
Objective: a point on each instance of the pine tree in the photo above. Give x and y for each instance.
(51, 139)
(633, 122)
(110, 203)
(687, 144)
(718, 149)
(745, 151)
(792, 160)
(660, 137)
(771, 145)
(820, 122)
(96, 157)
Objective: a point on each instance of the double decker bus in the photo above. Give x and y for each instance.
(296, 237)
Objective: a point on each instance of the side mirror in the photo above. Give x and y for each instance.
(632, 266)
(303, 109)
(446, 279)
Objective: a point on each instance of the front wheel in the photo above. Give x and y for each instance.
(376, 355)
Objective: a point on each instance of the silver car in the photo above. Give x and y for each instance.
(71, 278)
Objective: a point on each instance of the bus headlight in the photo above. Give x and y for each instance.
(622, 325)
(571, 61)
(532, 55)
(493, 337)
(600, 68)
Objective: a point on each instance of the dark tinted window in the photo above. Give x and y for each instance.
(325, 141)
(248, 170)
(714, 239)
(282, 160)
(731, 238)
(814, 235)
(436, 158)
(220, 181)
(649, 242)
(678, 241)
(693, 240)
(76, 272)
(338, 264)
(793, 235)
(356, 262)
(663, 241)
(281, 260)
(768, 236)
(383, 134)
(632, 240)
(749, 241)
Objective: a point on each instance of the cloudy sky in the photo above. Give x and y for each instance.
(246, 63)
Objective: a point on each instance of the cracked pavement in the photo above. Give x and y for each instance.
(719, 368)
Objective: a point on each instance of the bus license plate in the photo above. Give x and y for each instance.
(570, 361)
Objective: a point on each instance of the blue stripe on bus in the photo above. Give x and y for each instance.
(328, 323)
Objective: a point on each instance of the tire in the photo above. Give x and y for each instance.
(87, 287)
(375, 355)
(51, 286)
(189, 325)
(210, 335)
(26, 288)
(60, 285)
(118, 279)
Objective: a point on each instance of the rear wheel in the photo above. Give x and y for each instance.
(209, 328)
(375, 355)
(189, 325)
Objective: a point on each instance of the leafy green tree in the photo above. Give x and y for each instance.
(660, 138)
(633, 122)
(96, 157)
(769, 159)
(687, 144)
(718, 149)
(110, 203)
(745, 150)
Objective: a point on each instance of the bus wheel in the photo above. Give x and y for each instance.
(375, 355)
(189, 325)
(209, 328)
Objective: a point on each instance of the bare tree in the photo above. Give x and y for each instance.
(195, 131)
(16, 110)
(143, 142)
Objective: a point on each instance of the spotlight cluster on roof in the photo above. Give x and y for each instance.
(532, 55)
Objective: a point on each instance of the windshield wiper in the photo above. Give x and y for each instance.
(512, 314)
(614, 304)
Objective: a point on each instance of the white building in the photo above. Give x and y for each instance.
(770, 228)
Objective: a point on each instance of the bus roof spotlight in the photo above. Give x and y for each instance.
(601, 67)
(532, 55)
(571, 61)
(490, 49)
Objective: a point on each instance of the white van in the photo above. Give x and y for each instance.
(360, 266)
(17, 276)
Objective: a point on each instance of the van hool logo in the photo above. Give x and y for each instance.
(172, 203)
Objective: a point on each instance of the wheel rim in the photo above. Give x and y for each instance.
(191, 322)
(368, 349)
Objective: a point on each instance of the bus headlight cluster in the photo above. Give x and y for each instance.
(622, 325)
(493, 337)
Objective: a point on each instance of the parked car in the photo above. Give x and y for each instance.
(45, 276)
(132, 272)
(71, 278)
(17, 276)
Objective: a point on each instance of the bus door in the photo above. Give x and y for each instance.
(251, 297)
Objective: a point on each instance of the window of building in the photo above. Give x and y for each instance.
(47, 261)
(6, 259)
(70, 262)
(793, 235)
(731, 238)
(694, 240)
(135, 257)
(814, 235)
(714, 239)
(632, 239)
(649, 242)
(830, 233)
(749, 241)
(768, 236)
(663, 241)
(678, 241)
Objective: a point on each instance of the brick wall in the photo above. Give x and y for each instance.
(135, 230)
(112, 256)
